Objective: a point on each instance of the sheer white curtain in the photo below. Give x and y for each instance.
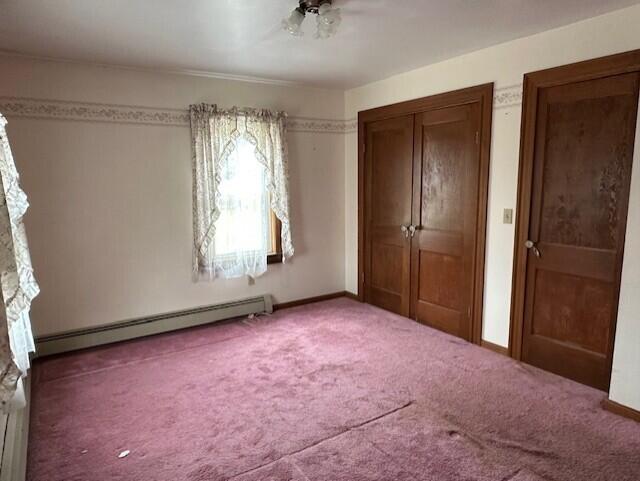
(18, 286)
(242, 229)
(240, 173)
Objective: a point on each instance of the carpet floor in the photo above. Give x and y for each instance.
(332, 391)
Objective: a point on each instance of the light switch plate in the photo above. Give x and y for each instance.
(507, 216)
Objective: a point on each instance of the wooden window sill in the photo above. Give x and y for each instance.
(274, 259)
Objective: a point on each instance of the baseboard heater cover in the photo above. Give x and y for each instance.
(13, 465)
(146, 326)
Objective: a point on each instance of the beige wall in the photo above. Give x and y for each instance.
(110, 218)
(625, 376)
(505, 65)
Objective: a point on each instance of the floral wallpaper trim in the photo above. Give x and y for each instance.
(133, 114)
(509, 96)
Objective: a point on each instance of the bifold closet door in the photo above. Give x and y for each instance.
(445, 213)
(387, 210)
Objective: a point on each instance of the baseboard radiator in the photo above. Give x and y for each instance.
(15, 431)
(146, 326)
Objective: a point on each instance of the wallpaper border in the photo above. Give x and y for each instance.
(134, 114)
(509, 96)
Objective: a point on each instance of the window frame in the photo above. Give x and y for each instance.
(276, 240)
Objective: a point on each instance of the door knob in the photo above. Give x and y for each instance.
(532, 245)
(412, 230)
(405, 230)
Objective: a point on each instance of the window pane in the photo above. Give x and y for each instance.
(244, 208)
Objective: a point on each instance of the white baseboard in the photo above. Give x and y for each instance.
(14, 453)
(171, 321)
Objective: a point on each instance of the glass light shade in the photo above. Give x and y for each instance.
(293, 24)
(328, 20)
(324, 31)
(324, 8)
(329, 15)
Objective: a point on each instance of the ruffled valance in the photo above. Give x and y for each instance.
(215, 133)
(18, 285)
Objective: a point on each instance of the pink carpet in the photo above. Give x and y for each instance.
(334, 391)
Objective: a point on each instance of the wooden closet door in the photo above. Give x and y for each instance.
(445, 212)
(584, 138)
(388, 176)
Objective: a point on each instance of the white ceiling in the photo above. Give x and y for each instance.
(377, 38)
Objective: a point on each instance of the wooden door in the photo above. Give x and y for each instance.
(388, 176)
(445, 213)
(582, 156)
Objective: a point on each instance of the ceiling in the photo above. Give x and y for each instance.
(377, 38)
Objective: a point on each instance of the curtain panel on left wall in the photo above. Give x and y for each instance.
(226, 143)
(18, 285)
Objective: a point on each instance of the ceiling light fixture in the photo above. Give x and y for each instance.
(327, 18)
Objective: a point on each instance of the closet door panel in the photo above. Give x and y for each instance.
(388, 184)
(445, 203)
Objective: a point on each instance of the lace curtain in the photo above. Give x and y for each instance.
(239, 172)
(18, 286)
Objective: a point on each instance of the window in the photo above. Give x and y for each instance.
(240, 191)
(247, 227)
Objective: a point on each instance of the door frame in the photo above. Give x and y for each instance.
(621, 63)
(481, 94)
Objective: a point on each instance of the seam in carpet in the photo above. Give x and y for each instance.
(505, 443)
(453, 433)
(293, 463)
(512, 475)
(496, 441)
(479, 443)
(389, 413)
(392, 458)
(526, 470)
(320, 441)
